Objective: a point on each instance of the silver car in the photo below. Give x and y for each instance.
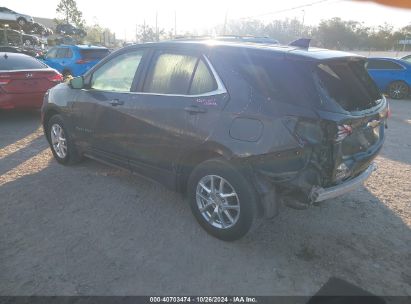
(9, 15)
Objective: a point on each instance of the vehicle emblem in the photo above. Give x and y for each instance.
(373, 123)
(29, 75)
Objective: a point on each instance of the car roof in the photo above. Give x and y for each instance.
(310, 53)
(83, 46)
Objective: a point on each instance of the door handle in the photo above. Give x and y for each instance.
(116, 102)
(195, 109)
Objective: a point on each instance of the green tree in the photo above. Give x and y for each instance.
(69, 11)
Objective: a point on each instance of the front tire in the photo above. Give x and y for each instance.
(222, 200)
(398, 90)
(61, 144)
(21, 21)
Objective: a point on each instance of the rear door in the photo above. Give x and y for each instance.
(90, 57)
(174, 110)
(384, 72)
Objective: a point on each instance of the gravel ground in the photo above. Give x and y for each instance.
(94, 230)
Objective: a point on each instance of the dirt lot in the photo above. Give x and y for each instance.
(94, 230)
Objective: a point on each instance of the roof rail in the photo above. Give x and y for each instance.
(303, 43)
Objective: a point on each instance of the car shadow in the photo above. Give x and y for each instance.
(94, 230)
(16, 125)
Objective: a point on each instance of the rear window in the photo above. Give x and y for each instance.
(347, 83)
(94, 54)
(308, 83)
(10, 62)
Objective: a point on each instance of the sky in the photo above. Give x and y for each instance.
(122, 16)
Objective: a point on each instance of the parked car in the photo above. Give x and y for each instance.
(69, 29)
(36, 28)
(219, 122)
(19, 50)
(393, 76)
(13, 37)
(74, 60)
(9, 15)
(24, 80)
(30, 40)
(407, 58)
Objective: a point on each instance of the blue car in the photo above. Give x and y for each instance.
(393, 76)
(74, 60)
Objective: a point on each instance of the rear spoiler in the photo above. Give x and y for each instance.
(302, 43)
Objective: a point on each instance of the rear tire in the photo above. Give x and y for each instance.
(222, 200)
(61, 144)
(398, 90)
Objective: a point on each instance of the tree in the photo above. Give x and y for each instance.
(146, 33)
(68, 9)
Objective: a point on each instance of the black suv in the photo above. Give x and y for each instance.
(238, 127)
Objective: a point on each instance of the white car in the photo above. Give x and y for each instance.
(9, 15)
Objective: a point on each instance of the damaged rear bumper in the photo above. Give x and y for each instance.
(319, 194)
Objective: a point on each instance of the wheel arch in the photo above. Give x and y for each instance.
(190, 160)
(46, 117)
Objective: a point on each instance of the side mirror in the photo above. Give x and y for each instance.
(77, 83)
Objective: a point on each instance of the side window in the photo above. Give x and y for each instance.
(118, 73)
(51, 54)
(61, 53)
(69, 53)
(382, 65)
(203, 80)
(170, 74)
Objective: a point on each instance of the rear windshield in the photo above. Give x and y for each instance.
(94, 54)
(347, 83)
(11, 62)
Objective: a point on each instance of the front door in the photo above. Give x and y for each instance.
(102, 109)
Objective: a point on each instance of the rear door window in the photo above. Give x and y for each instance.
(203, 80)
(63, 53)
(93, 54)
(182, 74)
(382, 65)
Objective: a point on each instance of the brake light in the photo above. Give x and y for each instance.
(82, 61)
(55, 77)
(343, 132)
(389, 113)
(4, 79)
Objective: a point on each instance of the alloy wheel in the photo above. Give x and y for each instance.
(398, 90)
(58, 140)
(218, 201)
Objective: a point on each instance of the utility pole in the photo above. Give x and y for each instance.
(136, 33)
(175, 24)
(225, 22)
(157, 38)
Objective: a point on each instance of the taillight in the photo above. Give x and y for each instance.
(305, 131)
(55, 77)
(389, 113)
(4, 79)
(82, 61)
(343, 132)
